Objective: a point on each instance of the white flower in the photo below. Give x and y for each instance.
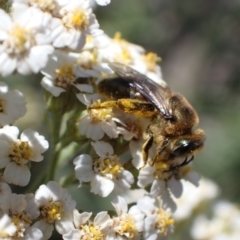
(87, 229)
(193, 197)
(15, 153)
(60, 72)
(96, 122)
(224, 224)
(71, 24)
(25, 43)
(7, 227)
(119, 50)
(158, 223)
(22, 210)
(88, 64)
(105, 173)
(71, 20)
(12, 105)
(127, 224)
(56, 206)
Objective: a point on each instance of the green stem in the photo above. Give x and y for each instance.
(56, 150)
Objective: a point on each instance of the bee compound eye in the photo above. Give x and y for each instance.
(182, 147)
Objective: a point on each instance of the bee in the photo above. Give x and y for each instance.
(173, 120)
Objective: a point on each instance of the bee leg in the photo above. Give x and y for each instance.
(184, 163)
(128, 105)
(159, 155)
(145, 148)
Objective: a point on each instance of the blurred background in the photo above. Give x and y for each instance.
(199, 43)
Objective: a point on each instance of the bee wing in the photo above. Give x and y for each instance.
(149, 89)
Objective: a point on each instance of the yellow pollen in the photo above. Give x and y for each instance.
(126, 56)
(117, 36)
(160, 171)
(65, 76)
(44, 5)
(53, 211)
(151, 60)
(21, 40)
(127, 227)
(164, 221)
(91, 232)
(79, 19)
(109, 167)
(19, 220)
(20, 151)
(98, 115)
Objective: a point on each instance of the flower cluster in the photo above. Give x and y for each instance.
(61, 40)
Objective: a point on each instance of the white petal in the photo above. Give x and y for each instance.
(33, 233)
(75, 234)
(95, 132)
(145, 176)
(7, 226)
(84, 88)
(193, 177)
(101, 186)
(50, 87)
(176, 187)
(147, 204)
(45, 228)
(83, 168)
(102, 149)
(101, 219)
(110, 128)
(120, 205)
(37, 140)
(65, 224)
(81, 218)
(138, 216)
(15, 174)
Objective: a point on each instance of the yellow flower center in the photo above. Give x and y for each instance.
(77, 19)
(20, 41)
(151, 60)
(20, 152)
(110, 167)
(65, 76)
(125, 226)
(44, 5)
(53, 211)
(125, 55)
(98, 115)
(19, 221)
(164, 221)
(91, 232)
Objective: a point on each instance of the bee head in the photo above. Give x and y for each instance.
(188, 144)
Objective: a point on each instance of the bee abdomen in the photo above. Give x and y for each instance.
(115, 88)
